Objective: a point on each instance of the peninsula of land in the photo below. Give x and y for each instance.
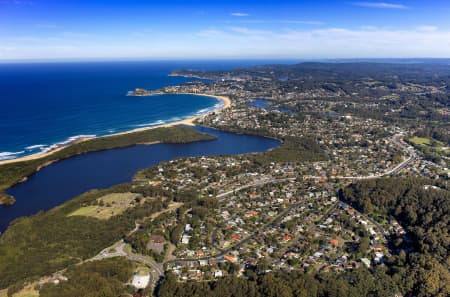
(6, 199)
(189, 122)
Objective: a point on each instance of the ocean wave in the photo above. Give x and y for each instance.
(159, 122)
(207, 110)
(175, 119)
(49, 148)
(36, 146)
(76, 137)
(10, 155)
(45, 148)
(201, 111)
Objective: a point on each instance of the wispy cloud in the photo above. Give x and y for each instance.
(239, 14)
(424, 41)
(382, 5)
(250, 32)
(237, 41)
(248, 42)
(427, 28)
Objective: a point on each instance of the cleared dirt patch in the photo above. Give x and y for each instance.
(28, 291)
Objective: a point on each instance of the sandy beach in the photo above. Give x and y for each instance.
(189, 121)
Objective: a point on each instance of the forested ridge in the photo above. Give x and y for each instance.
(422, 210)
(294, 149)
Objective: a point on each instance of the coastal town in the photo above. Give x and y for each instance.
(259, 216)
(283, 210)
(275, 148)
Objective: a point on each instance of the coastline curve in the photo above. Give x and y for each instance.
(225, 100)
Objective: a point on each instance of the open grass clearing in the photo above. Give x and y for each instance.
(420, 140)
(142, 270)
(108, 206)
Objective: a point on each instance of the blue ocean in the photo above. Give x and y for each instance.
(45, 104)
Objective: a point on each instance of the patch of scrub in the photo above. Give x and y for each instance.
(109, 205)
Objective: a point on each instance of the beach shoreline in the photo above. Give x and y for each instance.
(189, 122)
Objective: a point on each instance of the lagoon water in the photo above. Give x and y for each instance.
(66, 179)
(263, 103)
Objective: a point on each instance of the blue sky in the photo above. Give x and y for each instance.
(173, 29)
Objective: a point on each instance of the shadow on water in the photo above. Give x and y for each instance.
(57, 183)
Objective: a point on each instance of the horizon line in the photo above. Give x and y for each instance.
(175, 59)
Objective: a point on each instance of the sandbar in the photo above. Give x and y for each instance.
(189, 121)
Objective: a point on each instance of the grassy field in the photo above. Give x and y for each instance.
(420, 140)
(107, 206)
